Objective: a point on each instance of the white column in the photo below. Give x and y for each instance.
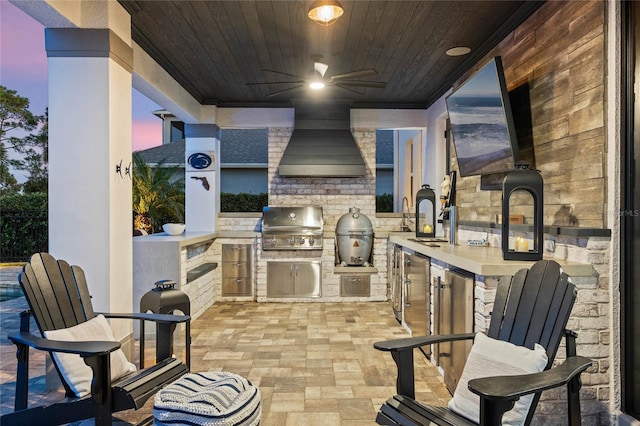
(202, 177)
(90, 219)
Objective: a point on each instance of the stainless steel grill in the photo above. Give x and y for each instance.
(292, 228)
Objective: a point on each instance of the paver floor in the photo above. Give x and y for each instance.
(314, 363)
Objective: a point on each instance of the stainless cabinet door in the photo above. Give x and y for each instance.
(416, 296)
(308, 279)
(397, 282)
(294, 279)
(280, 279)
(456, 316)
(444, 322)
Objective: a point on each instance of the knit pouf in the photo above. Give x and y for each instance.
(213, 398)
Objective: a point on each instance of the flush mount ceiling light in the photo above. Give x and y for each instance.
(325, 12)
(458, 51)
(316, 85)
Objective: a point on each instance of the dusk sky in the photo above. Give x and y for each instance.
(23, 67)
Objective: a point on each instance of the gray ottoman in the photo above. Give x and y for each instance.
(214, 398)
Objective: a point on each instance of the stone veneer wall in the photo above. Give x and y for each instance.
(590, 319)
(201, 290)
(559, 52)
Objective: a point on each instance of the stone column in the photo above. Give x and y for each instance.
(202, 176)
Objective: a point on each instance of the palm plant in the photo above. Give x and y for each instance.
(158, 197)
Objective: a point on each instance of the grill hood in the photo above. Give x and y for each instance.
(322, 144)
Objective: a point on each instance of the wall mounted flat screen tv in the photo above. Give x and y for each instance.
(482, 126)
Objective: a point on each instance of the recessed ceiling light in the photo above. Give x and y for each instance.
(458, 51)
(316, 85)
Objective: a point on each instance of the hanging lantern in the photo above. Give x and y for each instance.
(426, 212)
(522, 189)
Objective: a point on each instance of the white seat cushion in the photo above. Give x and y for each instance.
(213, 398)
(490, 357)
(78, 374)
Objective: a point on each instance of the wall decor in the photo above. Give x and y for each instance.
(201, 161)
(203, 179)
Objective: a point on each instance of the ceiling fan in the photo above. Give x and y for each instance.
(318, 81)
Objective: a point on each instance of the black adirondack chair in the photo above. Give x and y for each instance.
(58, 298)
(532, 307)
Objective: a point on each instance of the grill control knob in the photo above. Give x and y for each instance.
(292, 240)
(311, 241)
(273, 241)
(301, 241)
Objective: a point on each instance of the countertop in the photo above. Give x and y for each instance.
(191, 238)
(486, 261)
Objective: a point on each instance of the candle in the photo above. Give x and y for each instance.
(427, 229)
(521, 245)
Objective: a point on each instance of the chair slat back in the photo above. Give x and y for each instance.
(83, 291)
(533, 307)
(53, 294)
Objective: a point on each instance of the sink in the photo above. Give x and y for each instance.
(428, 240)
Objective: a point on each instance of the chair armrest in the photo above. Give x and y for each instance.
(159, 318)
(84, 349)
(416, 342)
(402, 354)
(165, 323)
(513, 387)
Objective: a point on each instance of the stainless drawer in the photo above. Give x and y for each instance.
(236, 286)
(236, 252)
(236, 269)
(355, 285)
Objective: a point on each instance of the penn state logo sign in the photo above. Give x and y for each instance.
(200, 161)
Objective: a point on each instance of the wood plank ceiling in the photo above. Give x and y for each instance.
(214, 49)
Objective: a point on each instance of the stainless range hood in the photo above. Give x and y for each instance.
(322, 144)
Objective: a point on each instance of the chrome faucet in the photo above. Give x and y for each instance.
(453, 224)
(406, 219)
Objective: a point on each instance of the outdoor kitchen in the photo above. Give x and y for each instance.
(320, 240)
(512, 146)
(298, 231)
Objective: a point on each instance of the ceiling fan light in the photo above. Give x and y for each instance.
(316, 85)
(325, 12)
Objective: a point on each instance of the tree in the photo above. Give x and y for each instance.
(15, 117)
(36, 158)
(8, 183)
(157, 197)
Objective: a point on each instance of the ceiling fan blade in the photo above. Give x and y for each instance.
(279, 92)
(348, 89)
(357, 83)
(276, 82)
(320, 68)
(283, 73)
(354, 74)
